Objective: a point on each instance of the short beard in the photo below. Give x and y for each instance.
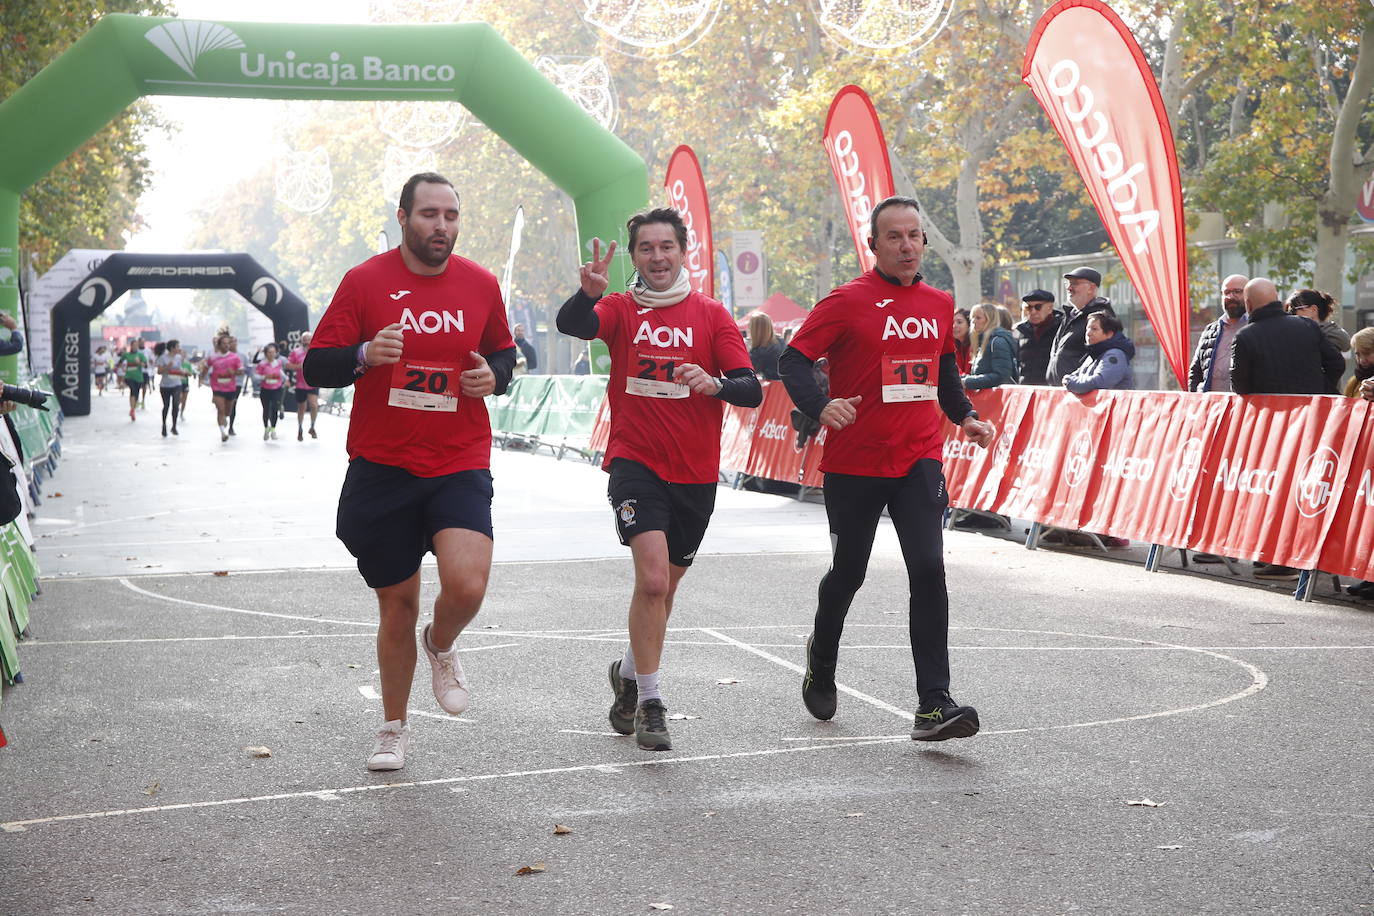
(1233, 311)
(420, 248)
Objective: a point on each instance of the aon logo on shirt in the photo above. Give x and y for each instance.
(910, 328)
(663, 337)
(432, 322)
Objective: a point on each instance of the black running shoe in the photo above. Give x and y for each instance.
(940, 719)
(651, 726)
(818, 686)
(626, 691)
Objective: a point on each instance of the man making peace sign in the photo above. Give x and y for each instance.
(423, 332)
(676, 360)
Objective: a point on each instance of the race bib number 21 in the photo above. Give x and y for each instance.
(424, 387)
(653, 376)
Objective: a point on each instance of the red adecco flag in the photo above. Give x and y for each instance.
(1090, 76)
(858, 156)
(687, 193)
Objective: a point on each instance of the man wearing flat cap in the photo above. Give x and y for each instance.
(1070, 345)
(1036, 334)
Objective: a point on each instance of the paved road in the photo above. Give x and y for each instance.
(1246, 716)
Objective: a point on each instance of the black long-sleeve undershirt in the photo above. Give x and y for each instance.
(800, 381)
(578, 318)
(336, 367)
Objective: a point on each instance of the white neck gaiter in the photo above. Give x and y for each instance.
(653, 299)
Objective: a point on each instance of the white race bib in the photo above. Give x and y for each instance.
(424, 387)
(908, 378)
(654, 374)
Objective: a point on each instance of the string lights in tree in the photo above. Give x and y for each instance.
(883, 25)
(303, 180)
(651, 27)
(585, 80)
(398, 164)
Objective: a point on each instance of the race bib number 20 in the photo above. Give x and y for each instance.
(424, 387)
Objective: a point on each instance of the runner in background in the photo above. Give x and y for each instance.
(224, 368)
(167, 360)
(307, 395)
(133, 361)
(271, 371)
(893, 372)
(421, 335)
(100, 365)
(669, 347)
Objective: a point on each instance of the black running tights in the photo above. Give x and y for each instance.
(916, 502)
(171, 398)
(271, 406)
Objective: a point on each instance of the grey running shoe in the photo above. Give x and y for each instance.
(940, 719)
(626, 691)
(818, 686)
(651, 726)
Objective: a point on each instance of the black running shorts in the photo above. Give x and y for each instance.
(227, 395)
(303, 394)
(135, 388)
(388, 517)
(642, 501)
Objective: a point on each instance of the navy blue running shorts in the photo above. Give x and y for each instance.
(388, 517)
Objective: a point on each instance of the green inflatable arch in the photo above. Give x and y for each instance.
(124, 57)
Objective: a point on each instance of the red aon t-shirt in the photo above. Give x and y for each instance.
(401, 415)
(884, 342)
(663, 425)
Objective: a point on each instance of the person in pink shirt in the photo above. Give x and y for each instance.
(225, 368)
(272, 371)
(307, 395)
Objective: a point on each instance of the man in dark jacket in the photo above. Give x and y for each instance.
(1211, 368)
(1036, 335)
(1069, 345)
(526, 348)
(1277, 353)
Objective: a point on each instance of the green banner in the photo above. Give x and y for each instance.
(549, 406)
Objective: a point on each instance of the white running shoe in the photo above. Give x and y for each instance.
(389, 753)
(447, 678)
(274, 433)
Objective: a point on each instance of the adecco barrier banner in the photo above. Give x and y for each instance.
(854, 142)
(1267, 485)
(1349, 545)
(1090, 76)
(687, 194)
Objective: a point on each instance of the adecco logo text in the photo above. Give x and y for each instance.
(1315, 482)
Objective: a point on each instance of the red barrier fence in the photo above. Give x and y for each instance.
(1283, 479)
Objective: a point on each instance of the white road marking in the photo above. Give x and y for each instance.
(872, 701)
(238, 610)
(369, 692)
(331, 794)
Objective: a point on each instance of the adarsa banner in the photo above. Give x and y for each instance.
(1088, 73)
(687, 194)
(854, 142)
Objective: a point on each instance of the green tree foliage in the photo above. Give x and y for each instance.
(90, 200)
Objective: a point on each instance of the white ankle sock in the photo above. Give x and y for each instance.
(627, 664)
(648, 687)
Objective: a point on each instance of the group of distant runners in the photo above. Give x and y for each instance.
(419, 443)
(224, 371)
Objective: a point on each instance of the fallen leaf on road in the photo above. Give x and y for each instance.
(710, 814)
(298, 632)
(131, 558)
(258, 751)
(152, 565)
(678, 716)
(491, 626)
(353, 666)
(220, 572)
(152, 790)
(727, 680)
(660, 906)
(535, 869)
(559, 830)
(1145, 803)
(1168, 847)
(54, 496)
(855, 814)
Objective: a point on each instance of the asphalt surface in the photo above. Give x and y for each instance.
(1242, 716)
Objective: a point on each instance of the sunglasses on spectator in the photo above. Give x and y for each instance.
(1037, 306)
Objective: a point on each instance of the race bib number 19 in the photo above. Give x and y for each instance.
(424, 387)
(908, 378)
(652, 376)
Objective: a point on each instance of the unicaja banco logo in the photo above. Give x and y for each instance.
(184, 41)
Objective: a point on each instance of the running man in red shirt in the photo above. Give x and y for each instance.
(890, 343)
(421, 334)
(676, 360)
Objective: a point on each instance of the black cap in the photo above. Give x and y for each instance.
(1038, 295)
(1085, 273)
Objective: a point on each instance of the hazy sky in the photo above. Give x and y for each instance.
(220, 140)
